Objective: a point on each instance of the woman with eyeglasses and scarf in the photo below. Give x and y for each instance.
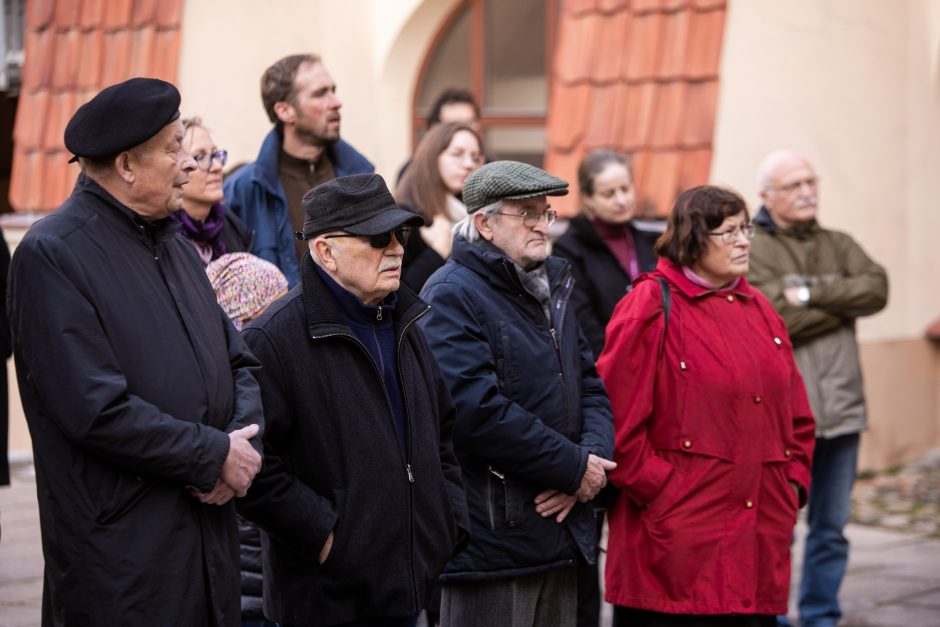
(205, 222)
(713, 432)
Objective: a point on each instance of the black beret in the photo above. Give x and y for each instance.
(359, 204)
(122, 116)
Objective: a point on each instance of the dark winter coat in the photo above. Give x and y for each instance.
(333, 462)
(255, 194)
(712, 424)
(530, 408)
(130, 376)
(5, 351)
(600, 280)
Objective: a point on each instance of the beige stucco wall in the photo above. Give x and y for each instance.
(855, 86)
(372, 48)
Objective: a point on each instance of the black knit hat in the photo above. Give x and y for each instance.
(359, 204)
(122, 116)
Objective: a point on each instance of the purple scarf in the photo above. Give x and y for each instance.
(206, 233)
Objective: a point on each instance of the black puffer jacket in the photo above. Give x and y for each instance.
(530, 408)
(333, 462)
(600, 280)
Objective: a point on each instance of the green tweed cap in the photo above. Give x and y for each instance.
(509, 180)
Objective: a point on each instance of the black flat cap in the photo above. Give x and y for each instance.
(122, 116)
(509, 180)
(359, 204)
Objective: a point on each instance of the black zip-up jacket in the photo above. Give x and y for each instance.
(530, 408)
(600, 280)
(333, 462)
(130, 376)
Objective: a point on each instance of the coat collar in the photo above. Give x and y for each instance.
(676, 277)
(499, 270)
(323, 311)
(766, 222)
(122, 216)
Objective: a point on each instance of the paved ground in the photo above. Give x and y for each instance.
(893, 578)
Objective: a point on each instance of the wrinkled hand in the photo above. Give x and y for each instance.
(220, 494)
(242, 462)
(595, 477)
(327, 547)
(552, 502)
(790, 295)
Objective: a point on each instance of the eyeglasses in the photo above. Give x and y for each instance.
(205, 160)
(789, 188)
(730, 237)
(382, 240)
(532, 218)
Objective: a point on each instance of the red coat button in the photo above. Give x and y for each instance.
(749, 504)
(757, 400)
(687, 444)
(730, 298)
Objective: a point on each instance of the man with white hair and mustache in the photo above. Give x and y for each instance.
(360, 499)
(819, 281)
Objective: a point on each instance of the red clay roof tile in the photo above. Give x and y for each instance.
(638, 116)
(643, 46)
(92, 14)
(675, 42)
(61, 108)
(169, 13)
(67, 13)
(699, 124)
(92, 57)
(142, 48)
(578, 7)
(67, 59)
(30, 119)
(74, 48)
(675, 5)
(709, 4)
(165, 60)
(611, 6)
(117, 45)
(600, 119)
(610, 47)
(117, 14)
(662, 181)
(704, 50)
(645, 6)
(568, 114)
(143, 12)
(38, 59)
(695, 168)
(668, 114)
(39, 14)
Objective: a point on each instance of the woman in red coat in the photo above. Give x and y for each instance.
(714, 434)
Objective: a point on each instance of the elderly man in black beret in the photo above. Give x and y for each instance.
(140, 396)
(534, 430)
(360, 501)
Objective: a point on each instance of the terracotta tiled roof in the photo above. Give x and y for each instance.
(639, 76)
(74, 48)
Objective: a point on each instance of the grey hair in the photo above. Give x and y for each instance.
(468, 230)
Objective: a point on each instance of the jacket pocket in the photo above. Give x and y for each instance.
(127, 493)
(503, 501)
(333, 562)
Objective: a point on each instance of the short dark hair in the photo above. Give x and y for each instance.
(451, 95)
(594, 163)
(697, 212)
(277, 82)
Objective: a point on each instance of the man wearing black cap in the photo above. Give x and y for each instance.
(534, 430)
(360, 501)
(141, 398)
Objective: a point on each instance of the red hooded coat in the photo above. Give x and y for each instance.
(710, 428)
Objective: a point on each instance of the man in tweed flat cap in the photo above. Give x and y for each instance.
(534, 431)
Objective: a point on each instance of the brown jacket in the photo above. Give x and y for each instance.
(844, 283)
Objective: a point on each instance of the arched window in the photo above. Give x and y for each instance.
(499, 51)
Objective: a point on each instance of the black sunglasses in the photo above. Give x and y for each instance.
(382, 240)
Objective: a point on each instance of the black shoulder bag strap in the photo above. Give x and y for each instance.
(667, 301)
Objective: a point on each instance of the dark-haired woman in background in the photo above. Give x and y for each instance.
(714, 434)
(607, 251)
(205, 222)
(432, 186)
